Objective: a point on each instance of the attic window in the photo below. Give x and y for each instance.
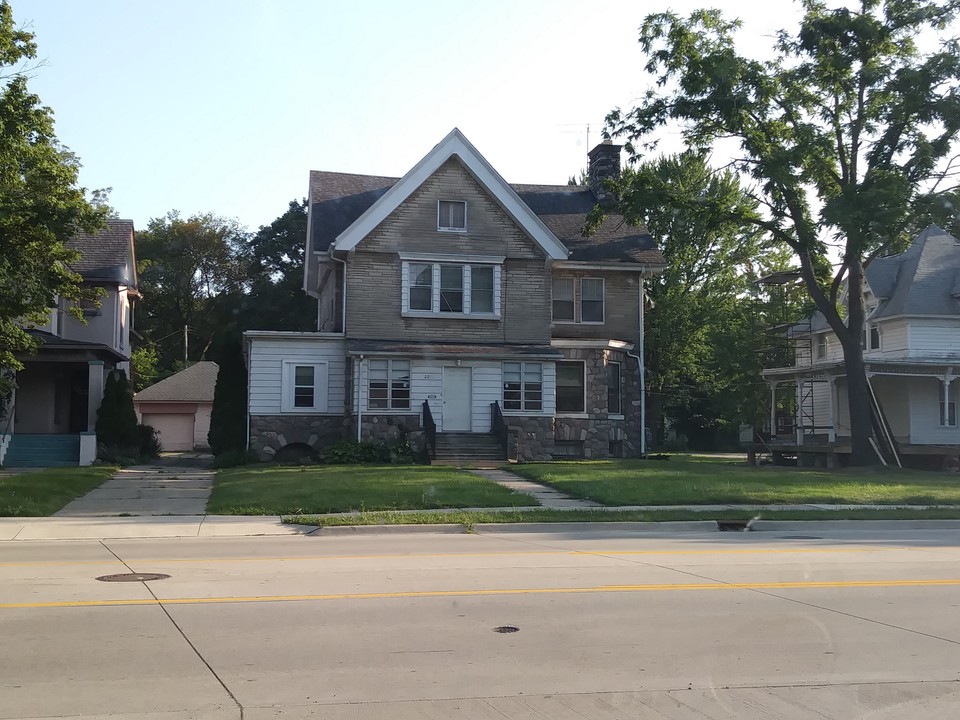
(452, 216)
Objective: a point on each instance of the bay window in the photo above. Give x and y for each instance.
(570, 387)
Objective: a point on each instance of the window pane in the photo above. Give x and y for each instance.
(481, 294)
(874, 338)
(563, 298)
(421, 287)
(591, 300)
(613, 388)
(303, 397)
(303, 375)
(451, 288)
(400, 384)
(569, 387)
(452, 215)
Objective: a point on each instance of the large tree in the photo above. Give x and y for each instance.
(845, 131)
(41, 206)
(193, 273)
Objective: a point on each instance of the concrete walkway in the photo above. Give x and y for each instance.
(546, 496)
(159, 489)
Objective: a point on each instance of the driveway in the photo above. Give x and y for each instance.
(176, 484)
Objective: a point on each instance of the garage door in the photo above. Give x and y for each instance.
(176, 429)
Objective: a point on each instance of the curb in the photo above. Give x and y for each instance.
(678, 526)
(418, 529)
(879, 525)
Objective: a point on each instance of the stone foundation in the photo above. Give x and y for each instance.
(388, 428)
(529, 439)
(270, 433)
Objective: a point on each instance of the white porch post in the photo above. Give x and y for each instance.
(95, 382)
(947, 378)
(773, 409)
(832, 432)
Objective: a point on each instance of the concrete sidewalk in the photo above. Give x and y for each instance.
(172, 526)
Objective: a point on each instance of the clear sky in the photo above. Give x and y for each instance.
(225, 106)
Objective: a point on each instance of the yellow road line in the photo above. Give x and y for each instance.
(672, 587)
(389, 556)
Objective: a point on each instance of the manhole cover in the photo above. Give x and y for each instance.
(506, 629)
(133, 577)
(799, 537)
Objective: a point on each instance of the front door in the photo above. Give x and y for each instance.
(457, 399)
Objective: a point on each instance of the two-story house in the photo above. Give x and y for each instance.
(912, 352)
(51, 417)
(451, 301)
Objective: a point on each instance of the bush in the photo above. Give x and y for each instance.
(351, 452)
(228, 419)
(150, 445)
(231, 458)
(116, 418)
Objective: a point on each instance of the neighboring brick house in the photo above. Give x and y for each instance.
(448, 297)
(52, 415)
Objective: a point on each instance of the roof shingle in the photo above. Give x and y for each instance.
(106, 254)
(194, 384)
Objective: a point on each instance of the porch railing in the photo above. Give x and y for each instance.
(498, 425)
(430, 430)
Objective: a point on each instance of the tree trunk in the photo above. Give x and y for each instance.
(858, 394)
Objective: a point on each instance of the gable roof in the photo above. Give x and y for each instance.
(455, 143)
(338, 201)
(193, 384)
(106, 255)
(925, 276)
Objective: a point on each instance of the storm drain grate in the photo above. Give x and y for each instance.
(506, 629)
(732, 525)
(132, 577)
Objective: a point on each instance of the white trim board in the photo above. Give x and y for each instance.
(455, 143)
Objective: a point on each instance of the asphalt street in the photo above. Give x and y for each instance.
(679, 626)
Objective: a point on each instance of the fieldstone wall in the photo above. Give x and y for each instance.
(270, 433)
(387, 429)
(529, 439)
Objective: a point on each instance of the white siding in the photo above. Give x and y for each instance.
(267, 356)
(893, 339)
(934, 338)
(426, 384)
(926, 395)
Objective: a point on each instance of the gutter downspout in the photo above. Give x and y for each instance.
(246, 358)
(359, 395)
(643, 380)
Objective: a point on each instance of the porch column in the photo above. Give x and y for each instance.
(832, 385)
(947, 378)
(95, 381)
(773, 409)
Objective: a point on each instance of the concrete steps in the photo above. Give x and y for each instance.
(469, 447)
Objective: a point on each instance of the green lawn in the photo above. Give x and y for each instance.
(33, 494)
(691, 480)
(276, 490)
(469, 519)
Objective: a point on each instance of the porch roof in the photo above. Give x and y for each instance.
(835, 368)
(457, 350)
(53, 345)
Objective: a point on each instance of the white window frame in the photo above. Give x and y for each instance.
(870, 329)
(320, 385)
(442, 228)
(572, 413)
(572, 300)
(945, 417)
(466, 265)
(821, 346)
(390, 407)
(523, 409)
(603, 301)
(619, 412)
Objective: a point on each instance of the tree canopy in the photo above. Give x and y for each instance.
(845, 134)
(41, 205)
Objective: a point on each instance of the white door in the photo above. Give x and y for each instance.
(457, 399)
(175, 429)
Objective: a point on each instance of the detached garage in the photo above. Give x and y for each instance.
(179, 407)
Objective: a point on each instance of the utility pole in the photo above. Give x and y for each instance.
(186, 344)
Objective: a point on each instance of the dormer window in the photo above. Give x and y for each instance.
(452, 216)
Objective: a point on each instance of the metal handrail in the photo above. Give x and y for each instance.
(430, 430)
(498, 425)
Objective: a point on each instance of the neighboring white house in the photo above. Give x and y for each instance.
(911, 349)
(179, 407)
(51, 418)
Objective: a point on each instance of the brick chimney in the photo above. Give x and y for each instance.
(604, 165)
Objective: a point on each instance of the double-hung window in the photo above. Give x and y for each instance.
(523, 386)
(591, 300)
(439, 288)
(821, 346)
(304, 387)
(563, 302)
(570, 387)
(452, 216)
(388, 384)
(613, 389)
(421, 286)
